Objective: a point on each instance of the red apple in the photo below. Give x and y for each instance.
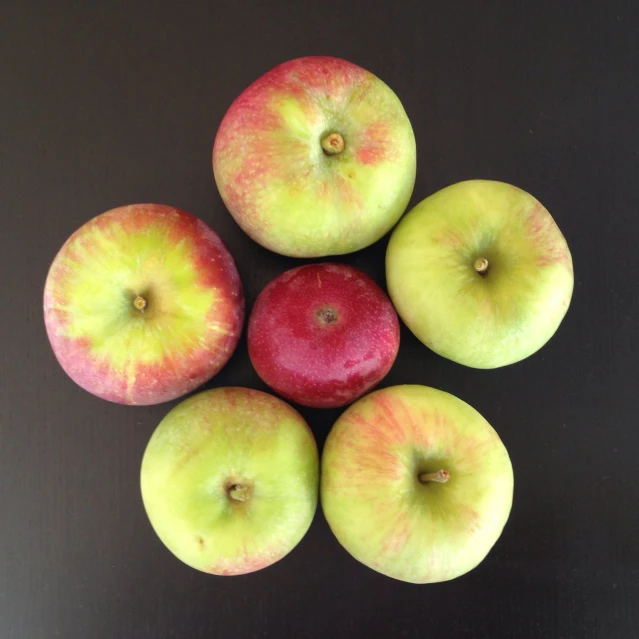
(143, 304)
(322, 335)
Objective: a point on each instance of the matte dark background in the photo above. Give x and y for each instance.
(120, 103)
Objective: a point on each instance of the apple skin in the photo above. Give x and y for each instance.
(194, 309)
(217, 440)
(380, 511)
(322, 335)
(480, 320)
(276, 179)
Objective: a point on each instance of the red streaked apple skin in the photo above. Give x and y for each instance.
(280, 185)
(189, 328)
(380, 510)
(224, 438)
(316, 362)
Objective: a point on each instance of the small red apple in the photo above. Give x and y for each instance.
(322, 335)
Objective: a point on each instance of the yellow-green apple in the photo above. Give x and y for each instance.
(143, 304)
(316, 157)
(480, 273)
(230, 480)
(416, 484)
(323, 334)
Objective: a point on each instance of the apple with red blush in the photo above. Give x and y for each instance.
(142, 304)
(322, 335)
(416, 484)
(317, 157)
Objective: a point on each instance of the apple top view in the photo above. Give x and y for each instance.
(143, 304)
(322, 335)
(480, 273)
(320, 322)
(416, 484)
(229, 480)
(316, 157)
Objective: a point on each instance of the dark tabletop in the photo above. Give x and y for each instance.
(117, 104)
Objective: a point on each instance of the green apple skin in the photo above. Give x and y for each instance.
(380, 511)
(282, 187)
(480, 320)
(230, 480)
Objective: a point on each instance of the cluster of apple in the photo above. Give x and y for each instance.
(144, 303)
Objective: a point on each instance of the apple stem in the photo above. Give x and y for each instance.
(333, 144)
(481, 265)
(237, 492)
(441, 477)
(326, 315)
(140, 303)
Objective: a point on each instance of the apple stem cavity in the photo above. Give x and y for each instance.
(327, 315)
(140, 303)
(481, 265)
(441, 477)
(237, 492)
(333, 144)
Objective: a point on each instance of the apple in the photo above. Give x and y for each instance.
(322, 335)
(416, 484)
(143, 304)
(480, 273)
(315, 158)
(229, 480)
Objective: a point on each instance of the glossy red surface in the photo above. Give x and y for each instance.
(323, 334)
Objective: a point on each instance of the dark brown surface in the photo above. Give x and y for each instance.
(106, 106)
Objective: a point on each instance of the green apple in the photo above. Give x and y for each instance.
(480, 273)
(230, 480)
(316, 157)
(416, 484)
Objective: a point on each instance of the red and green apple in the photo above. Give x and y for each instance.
(480, 273)
(316, 157)
(229, 480)
(143, 304)
(322, 335)
(416, 484)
